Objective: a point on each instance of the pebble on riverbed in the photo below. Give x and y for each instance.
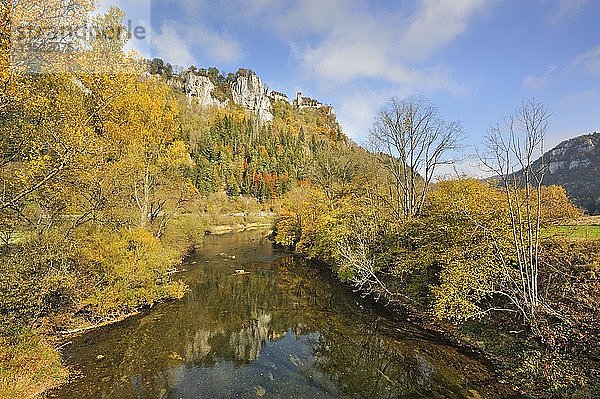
(260, 391)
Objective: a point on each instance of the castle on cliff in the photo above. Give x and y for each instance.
(300, 101)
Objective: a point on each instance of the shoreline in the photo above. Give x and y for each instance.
(402, 309)
(60, 339)
(214, 230)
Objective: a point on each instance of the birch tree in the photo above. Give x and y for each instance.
(512, 150)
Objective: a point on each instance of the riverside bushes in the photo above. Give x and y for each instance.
(449, 261)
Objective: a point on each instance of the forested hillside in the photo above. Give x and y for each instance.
(233, 149)
(234, 152)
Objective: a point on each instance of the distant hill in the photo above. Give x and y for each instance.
(575, 165)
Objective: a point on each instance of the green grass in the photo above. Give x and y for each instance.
(573, 232)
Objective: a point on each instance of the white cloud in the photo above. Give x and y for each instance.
(169, 45)
(314, 16)
(590, 60)
(534, 82)
(357, 107)
(357, 110)
(561, 10)
(177, 43)
(219, 46)
(354, 41)
(438, 23)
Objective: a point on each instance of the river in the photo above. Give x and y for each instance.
(286, 329)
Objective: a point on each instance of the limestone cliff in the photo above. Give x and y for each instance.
(575, 165)
(208, 87)
(246, 89)
(249, 92)
(200, 89)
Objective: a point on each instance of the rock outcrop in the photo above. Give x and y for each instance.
(575, 165)
(211, 88)
(249, 92)
(200, 89)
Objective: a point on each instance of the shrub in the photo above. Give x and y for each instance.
(28, 366)
(134, 266)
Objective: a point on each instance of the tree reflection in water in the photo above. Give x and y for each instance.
(286, 329)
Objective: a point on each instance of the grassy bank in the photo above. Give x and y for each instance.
(574, 232)
(29, 366)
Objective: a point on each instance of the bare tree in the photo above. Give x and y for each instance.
(512, 150)
(411, 141)
(333, 168)
(356, 257)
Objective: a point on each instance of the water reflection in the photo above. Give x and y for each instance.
(283, 330)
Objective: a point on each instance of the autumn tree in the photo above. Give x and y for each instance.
(43, 128)
(464, 232)
(45, 35)
(50, 139)
(412, 141)
(145, 161)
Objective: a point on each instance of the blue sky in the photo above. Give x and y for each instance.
(475, 59)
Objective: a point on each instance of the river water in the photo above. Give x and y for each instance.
(287, 329)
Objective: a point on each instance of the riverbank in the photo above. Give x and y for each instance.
(527, 361)
(30, 360)
(472, 344)
(237, 228)
(216, 229)
(403, 309)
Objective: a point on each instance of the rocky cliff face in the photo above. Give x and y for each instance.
(200, 89)
(575, 165)
(249, 92)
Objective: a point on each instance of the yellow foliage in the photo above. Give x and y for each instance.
(556, 206)
(90, 148)
(301, 209)
(134, 265)
(467, 226)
